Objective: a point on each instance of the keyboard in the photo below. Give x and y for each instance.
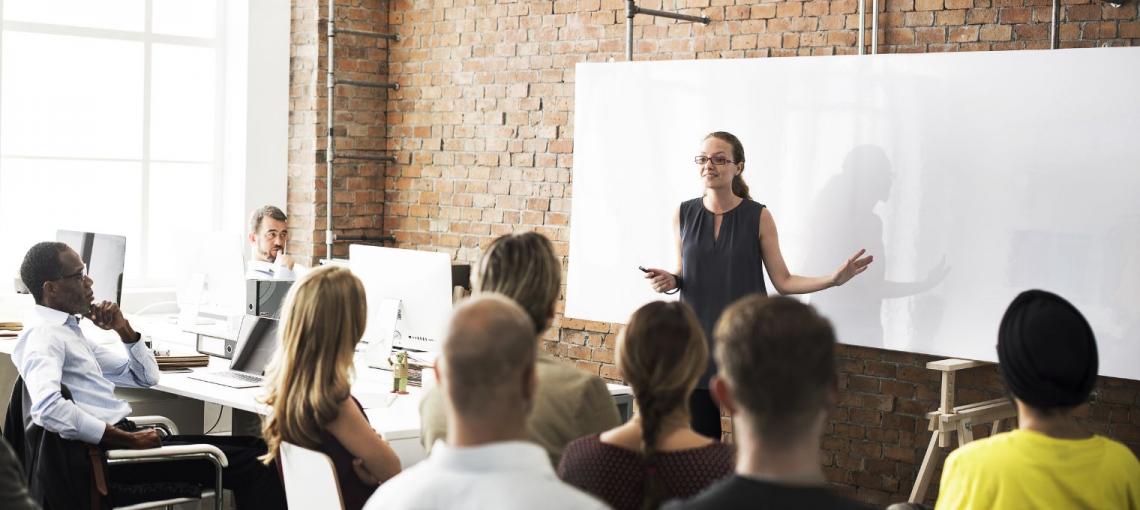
(417, 343)
(229, 378)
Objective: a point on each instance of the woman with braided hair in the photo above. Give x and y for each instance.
(656, 456)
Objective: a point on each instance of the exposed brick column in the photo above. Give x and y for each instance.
(358, 196)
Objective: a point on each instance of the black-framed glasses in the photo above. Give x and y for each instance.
(78, 275)
(717, 160)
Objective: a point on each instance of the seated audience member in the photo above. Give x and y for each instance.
(1048, 360)
(310, 378)
(53, 352)
(656, 456)
(486, 371)
(778, 379)
(268, 235)
(570, 403)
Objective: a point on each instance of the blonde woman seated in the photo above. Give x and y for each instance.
(310, 378)
(657, 456)
(570, 403)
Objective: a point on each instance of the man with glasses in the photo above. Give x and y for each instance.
(57, 279)
(268, 235)
(53, 353)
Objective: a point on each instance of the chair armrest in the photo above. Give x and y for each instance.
(158, 421)
(168, 452)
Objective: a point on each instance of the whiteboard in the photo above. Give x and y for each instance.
(969, 176)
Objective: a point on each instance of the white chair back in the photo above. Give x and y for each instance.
(310, 478)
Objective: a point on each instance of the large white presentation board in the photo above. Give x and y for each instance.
(969, 176)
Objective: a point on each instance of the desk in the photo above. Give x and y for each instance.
(396, 419)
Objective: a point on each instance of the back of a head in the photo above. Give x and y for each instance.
(523, 267)
(41, 264)
(489, 346)
(661, 354)
(1047, 352)
(323, 318)
(778, 357)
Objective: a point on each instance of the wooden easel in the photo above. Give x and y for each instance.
(956, 419)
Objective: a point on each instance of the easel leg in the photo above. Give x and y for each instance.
(965, 433)
(926, 471)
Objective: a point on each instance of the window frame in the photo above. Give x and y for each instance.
(148, 38)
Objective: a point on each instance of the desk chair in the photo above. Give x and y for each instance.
(20, 432)
(310, 478)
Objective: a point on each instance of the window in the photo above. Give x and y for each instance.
(110, 122)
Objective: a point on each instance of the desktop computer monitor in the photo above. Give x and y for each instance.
(420, 280)
(104, 255)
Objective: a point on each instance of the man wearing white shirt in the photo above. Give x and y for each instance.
(53, 353)
(268, 235)
(486, 370)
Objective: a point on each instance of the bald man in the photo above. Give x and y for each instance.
(486, 370)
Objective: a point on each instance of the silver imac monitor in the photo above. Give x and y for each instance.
(420, 280)
(105, 256)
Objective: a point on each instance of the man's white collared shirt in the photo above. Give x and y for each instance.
(53, 351)
(502, 476)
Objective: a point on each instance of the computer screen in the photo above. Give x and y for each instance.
(104, 255)
(256, 343)
(421, 280)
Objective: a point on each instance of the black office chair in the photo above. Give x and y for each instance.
(68, 474)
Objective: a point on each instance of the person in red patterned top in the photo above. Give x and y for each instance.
(656, 456)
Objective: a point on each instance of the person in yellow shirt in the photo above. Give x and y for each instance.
(1048, 359)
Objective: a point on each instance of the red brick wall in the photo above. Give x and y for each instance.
(482, 128)
(359, 125)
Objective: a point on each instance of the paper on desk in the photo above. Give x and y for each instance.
(375, 400)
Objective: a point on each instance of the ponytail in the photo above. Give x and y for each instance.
(652, 412)
(740, 188)
(661, 354)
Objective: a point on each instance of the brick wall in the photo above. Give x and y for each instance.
(359, 125)
(482, 128)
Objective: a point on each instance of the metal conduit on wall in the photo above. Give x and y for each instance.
(331, 156)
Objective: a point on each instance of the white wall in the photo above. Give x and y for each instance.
(257, 95)
(970, 177)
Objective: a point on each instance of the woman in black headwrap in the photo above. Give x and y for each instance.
(1049, 364)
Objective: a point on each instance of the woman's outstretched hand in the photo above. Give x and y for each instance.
(661, 280)
(852, 267)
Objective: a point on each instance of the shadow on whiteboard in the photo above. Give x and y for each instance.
(844, 221)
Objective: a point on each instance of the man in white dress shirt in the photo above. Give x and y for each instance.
(268, 235)
(52, 352)
(486, 370)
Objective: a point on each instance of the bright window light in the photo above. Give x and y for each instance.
(114, 15)
(181, 211)
(109, 126)
(40, 196)
(71, 96)
(182, 119)
(193, 18)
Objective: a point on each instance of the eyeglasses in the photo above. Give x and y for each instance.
(78, 275)
(717, 160)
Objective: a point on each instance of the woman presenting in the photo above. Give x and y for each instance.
(723, 238)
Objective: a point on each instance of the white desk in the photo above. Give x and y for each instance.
(396, 419)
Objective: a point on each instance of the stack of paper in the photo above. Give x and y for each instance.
(10, 329)
(177, 362)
